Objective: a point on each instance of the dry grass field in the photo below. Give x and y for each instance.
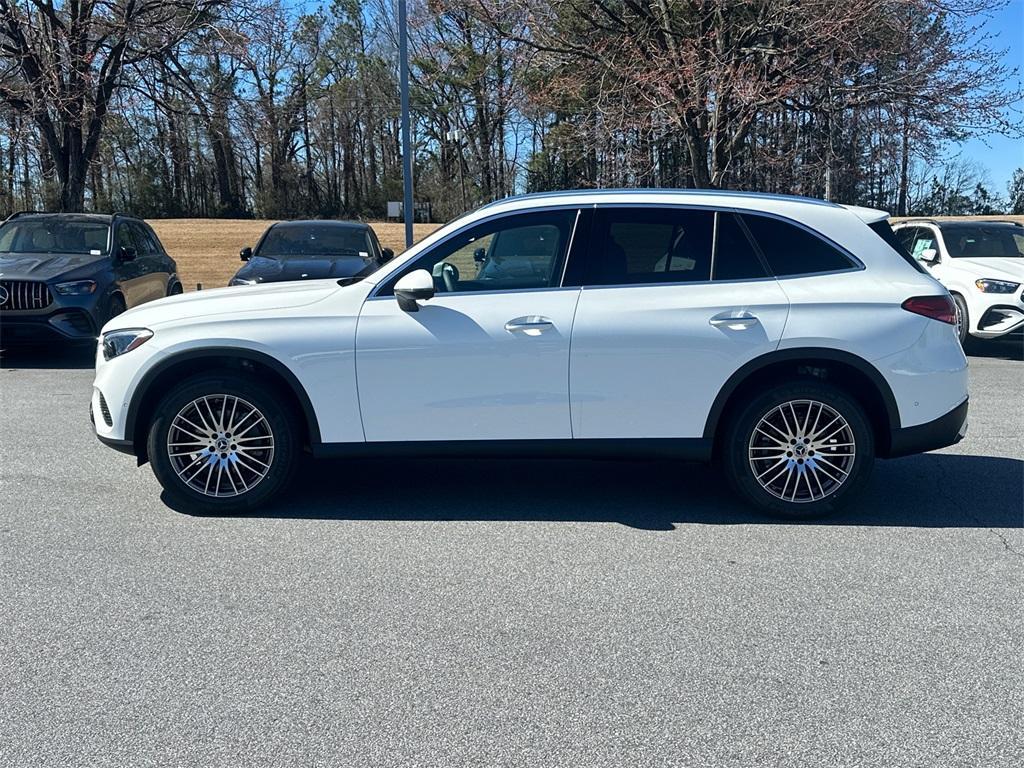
(207, 249)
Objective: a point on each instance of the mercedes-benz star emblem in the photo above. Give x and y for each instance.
(4, 295)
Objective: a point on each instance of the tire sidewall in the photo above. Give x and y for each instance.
(267, 400)
(741, 476)
(965, 329)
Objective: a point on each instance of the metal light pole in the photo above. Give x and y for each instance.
(403, 79)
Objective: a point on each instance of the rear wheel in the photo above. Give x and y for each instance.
(799, 450)
(175, 289)
(222, 444)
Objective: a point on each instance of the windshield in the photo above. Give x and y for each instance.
(981, 241)
(54, 235)
(312, 241)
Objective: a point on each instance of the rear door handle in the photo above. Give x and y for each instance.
(734, 320)
(535, 323)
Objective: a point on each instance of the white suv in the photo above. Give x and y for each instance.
(783, 339)
(981, 263)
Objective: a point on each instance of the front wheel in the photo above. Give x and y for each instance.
(799, 450)
(963, 319)
(222, 444)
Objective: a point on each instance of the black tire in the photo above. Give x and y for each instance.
(175, 289)
(281, 459)
(115, 307)
(964, 319)
(741, 443)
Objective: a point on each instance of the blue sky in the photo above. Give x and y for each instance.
(1000, 155)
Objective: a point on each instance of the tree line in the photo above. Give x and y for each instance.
(239, 108)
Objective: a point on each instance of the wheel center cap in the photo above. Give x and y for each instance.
(800, 449)
(222, 444)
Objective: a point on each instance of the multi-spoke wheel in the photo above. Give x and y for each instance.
(222, 443)
(800, 449)
(962, 318)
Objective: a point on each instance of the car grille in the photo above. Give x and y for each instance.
(24, 294)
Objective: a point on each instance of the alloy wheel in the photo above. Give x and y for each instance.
(220, 445)
(802, 451)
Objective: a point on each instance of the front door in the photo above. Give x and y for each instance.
(661, 325)
(487, 358)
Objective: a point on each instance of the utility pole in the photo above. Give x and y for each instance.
(403, 79)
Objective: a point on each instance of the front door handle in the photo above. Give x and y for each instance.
(528, 323)
(735, 321)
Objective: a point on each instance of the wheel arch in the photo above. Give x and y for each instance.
(154, 383)
(855, 375)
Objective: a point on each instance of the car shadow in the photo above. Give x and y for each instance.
(932, 490)
(76, 356)
(997, 349)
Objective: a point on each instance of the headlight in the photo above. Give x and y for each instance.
(116, 343)
(996, 286)
(75, 288)
(241, 281)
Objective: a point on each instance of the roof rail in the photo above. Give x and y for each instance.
(659, 190)
(16, 214)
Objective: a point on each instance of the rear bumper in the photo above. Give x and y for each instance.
(946, 430)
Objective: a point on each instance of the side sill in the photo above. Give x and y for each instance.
(686, 449)
(942, 432)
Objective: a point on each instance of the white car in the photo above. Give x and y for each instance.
(981, 263)
(783, 339)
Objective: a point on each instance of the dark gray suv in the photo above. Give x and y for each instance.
(62, 276)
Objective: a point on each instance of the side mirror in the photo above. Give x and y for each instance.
(415, 286)
(124, 253)
(479, 255)
(245, 254)
(930, 255)
(386, 254)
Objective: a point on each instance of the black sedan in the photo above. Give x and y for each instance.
(307, 250)
(62, 276)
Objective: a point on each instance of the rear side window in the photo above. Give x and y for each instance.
(651, 245)
(898, 242)
(791, 250)
(735, 258)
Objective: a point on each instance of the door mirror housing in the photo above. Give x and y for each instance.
(124, 253)
(386, 254)
(245, 254)
(930, 255)
(418, 285)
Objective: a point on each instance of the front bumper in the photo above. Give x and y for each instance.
(944, 431)
(56, 323)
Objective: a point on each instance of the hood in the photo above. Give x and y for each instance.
(43, 266)
(995, 267)
(265, 270)
(254, 300)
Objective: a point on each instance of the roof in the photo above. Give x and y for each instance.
(102, 217)
(322, 222)
(720, 195)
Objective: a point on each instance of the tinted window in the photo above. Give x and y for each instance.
(511, 253)
(735, 258)
(897, 241)
(311, 240)
(791, 250)
(126, 238)
(651, 245)
(146, 246)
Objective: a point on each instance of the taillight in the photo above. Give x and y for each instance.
(936, 307)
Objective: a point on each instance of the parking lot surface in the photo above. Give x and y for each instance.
(558, 613)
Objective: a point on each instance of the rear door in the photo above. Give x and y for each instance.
(674, 301)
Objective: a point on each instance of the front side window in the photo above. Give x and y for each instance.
(517, 252)
(923, 241)
(54, 235)
(146, 246)
(791, 250)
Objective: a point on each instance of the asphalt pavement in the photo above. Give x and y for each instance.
(506, 613)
